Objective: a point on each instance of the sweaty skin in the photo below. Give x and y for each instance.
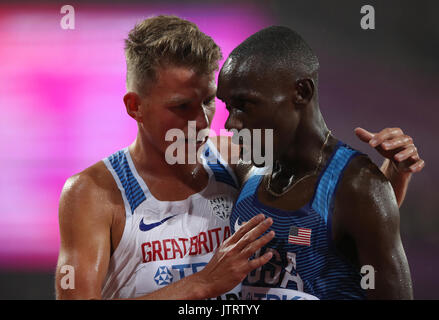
(366, 219)
(365, 226)
(92, 213)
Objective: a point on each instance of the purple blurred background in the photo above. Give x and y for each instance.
(61, 106)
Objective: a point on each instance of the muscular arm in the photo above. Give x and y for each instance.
(366, 210)
(85, 218)
(85, 238)
(85, 244)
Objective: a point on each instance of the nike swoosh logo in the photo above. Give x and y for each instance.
(237, 225)
(147, 227)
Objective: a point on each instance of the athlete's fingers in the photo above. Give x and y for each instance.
(398, 142)
(418, 166)
(255, 233)
(260, 261)
(385, 134)
(406, 153)
(245, 228)
(363, 134)
(258, 244)
(415, 157)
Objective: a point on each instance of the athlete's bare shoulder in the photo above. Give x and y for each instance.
(363, 177)
(88, 208)
(365, 225)
(364, 197)
(93, 181)
(93, 192)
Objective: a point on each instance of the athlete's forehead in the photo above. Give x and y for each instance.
(247, 79)
(182, 96)
(242, 92)
(180, 85)
(238, 78)
(242, 68)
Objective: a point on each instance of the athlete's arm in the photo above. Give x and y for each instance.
(367, 213)
(402, 158)
(85, 217)
(85, 238)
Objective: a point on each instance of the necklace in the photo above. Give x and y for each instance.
(290, 184)
(195, 172)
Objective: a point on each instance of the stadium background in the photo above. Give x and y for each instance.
(61, 106)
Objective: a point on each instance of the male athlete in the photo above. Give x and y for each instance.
(333, 209)
(134, 226)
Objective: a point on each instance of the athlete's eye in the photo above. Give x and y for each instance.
(239, 107)
(181, 107)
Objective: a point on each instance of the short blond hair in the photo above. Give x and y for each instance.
(167, 40)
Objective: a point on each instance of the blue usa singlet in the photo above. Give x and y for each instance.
(305, 264)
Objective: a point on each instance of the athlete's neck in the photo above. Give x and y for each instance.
(304, 153)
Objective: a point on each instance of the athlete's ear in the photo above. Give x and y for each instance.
(132, 104)
(303, 92)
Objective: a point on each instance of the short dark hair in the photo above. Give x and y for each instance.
(280, 46)
(164, 40)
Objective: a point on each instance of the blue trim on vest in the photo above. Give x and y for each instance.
(331, 206)
(250, 187)
(220, 172)
(329, 180)
(133, 191)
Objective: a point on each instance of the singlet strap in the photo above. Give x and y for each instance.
(330, 178)
(132, 193)
(221, 170)
(250, 187)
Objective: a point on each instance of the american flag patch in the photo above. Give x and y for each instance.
(301, 236)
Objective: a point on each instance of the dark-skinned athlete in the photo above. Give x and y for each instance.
(333, 209)
(134, 226)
